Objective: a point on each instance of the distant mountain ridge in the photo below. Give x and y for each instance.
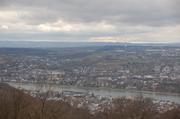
(31, 44)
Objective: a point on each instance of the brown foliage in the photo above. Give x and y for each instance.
(172, 114)
(14, 104)
(123, 108)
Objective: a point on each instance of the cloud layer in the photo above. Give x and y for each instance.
(90, 20)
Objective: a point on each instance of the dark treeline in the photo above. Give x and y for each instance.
(15, 104)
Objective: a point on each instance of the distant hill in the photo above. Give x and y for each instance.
(23, 44)
(30, 44)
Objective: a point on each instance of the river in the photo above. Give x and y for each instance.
(100, 91)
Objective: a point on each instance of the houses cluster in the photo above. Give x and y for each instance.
(134, 68)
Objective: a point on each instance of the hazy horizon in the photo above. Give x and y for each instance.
(59, 44)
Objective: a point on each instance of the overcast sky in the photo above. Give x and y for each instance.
(90, 20)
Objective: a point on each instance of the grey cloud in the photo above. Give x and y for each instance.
(146, 12)
(123, 14)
